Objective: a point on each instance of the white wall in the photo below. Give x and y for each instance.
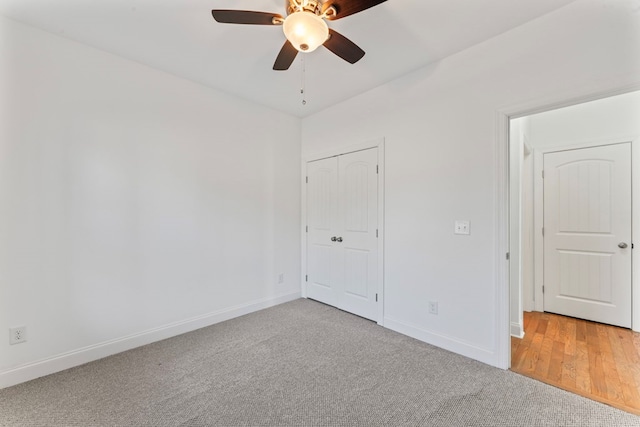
(439, 125)
(611, 119)
(600, 120)
(134, 205)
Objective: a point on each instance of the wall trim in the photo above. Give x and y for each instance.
(94, 352)
(516, 330)
(501, 243)
(378, 142)
(443, 341)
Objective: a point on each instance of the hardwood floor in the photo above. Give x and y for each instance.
(601, 362)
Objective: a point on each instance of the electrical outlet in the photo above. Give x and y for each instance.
(433, 307)
(17, 335)
(461, 227)
(280, 278)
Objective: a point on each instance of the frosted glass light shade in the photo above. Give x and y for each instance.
(305, 30)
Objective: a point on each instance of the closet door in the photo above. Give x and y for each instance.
(342, 220)
(357, 253)
(322, 205)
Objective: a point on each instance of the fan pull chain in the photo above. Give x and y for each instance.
(303, 81)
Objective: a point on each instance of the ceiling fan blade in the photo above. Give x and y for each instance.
(285, 57)
(246, 17)
(348, 7)
(343, 47)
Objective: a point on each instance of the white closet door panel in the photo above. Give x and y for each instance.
(322, 200)
(342, 218)
(356, 273)
(358, 221)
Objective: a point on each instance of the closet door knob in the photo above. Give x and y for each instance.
(622, 245)
(334, 238)
(339, 239)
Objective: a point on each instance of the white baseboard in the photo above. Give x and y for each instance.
(517, 330)
(84, 355)
(448, 343)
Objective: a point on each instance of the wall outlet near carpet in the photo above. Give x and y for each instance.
(280, 278)
(17, 335)
(433, 307)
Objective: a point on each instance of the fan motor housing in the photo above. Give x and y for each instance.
(313, 6)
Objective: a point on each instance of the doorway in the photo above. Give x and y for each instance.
(342, 204)
(564, 138)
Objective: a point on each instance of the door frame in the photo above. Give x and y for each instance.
(502, 117)
(376, 143)
(538, 207)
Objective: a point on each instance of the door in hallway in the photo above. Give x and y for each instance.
(587, 233)
(342, 220)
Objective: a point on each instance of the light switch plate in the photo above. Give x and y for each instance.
(461, 227)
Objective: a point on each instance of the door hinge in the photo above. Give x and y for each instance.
(377, 236)
(542, 173)
(306, 277)
(306, 229)
(543, 289)
(507, 256)
(376, 168)
(543, 231)
(376, 297)
(307, 179)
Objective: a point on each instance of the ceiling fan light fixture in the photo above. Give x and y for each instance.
(305, 30)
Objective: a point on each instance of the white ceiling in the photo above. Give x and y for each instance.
(181, 37)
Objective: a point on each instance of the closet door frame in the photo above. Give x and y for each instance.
(379, 144)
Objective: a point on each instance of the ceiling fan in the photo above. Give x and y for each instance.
(305, 27)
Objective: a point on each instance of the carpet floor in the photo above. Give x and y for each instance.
(298, 364)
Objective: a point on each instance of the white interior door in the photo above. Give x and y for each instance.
(342, 218)
(322, 204)
(358, 222)
(587, 233)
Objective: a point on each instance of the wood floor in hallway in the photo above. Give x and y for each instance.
(601, 362)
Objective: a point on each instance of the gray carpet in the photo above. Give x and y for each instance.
(300, 363)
